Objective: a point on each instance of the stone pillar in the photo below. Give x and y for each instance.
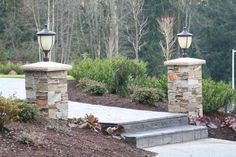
(46, 85)
(185, 85)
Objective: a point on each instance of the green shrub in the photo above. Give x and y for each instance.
(146, 96)
(28, 112)
(5, 68)
(8, 111)
(92, 87)
(98, 69)
(96, 89)
(152, 82)
(216, 95)
(84, 82)
(115, 72)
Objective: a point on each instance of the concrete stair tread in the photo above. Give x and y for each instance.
(164, 131)
(157, 118)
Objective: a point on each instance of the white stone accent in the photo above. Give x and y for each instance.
(185, 61)
(46, 66)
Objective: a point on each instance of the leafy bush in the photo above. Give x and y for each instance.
(124, 70)
(115, 72)
(5, 68)
(146, 95)
(28, 112)
(96, 89)
(216, 95)
(8, 111)
(92, 87)
(152, 82)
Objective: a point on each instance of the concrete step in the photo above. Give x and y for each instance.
(170, 135)
(156, 123)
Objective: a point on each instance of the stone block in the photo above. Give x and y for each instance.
(42, 87)
(172, 76)
(193, 82)
(30, 95)
(41, 102)
(52, 113)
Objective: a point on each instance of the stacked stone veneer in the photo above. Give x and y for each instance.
(185, 85)
(46, 85)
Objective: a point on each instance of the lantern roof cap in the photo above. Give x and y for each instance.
(46, 32)
(184, 33)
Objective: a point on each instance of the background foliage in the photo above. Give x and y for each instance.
(104, 29)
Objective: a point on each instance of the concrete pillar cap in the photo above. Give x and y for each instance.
(46, 66)
(185, 61)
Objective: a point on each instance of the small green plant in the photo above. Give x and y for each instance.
(25, 138)
(216, 95)
(8, 111)
(32, 138)
(28, 112)
(97, 89)
(146, 96)
(90, 121)
(58, 126)
(92, 87)
(152, 82)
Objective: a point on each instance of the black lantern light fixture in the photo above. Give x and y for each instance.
(184, 40)
(46, 40)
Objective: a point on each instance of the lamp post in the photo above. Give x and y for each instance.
(184, 40)
(46, 40)
(230, 107)
(233, 52)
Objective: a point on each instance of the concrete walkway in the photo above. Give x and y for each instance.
(200, 148)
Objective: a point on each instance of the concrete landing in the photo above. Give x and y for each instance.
(115, 115)
(201, 148)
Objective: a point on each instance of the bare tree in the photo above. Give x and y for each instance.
(113, 42)
(139, 25)
(36, 8)
(166, 24)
